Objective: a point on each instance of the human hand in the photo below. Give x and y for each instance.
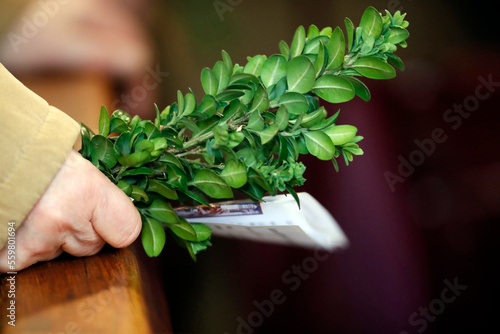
(80, 211)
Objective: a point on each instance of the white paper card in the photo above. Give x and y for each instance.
(276, 219)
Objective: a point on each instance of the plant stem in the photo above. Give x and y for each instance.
(196, 141)
(203, 164)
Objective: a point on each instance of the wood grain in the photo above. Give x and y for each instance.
(105, 293)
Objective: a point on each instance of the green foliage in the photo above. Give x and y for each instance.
(247, 133)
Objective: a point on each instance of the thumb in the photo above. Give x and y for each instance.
(115, 217)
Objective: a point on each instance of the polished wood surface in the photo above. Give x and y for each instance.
(110, 292)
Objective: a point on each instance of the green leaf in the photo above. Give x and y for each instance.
(235, 138)
(177, 178)
(196, 247)
(158, 116)
(222, 75)
(278, 89)
(229, 95)
(253, 191)
(293, 150)
(138, 171)
(334, 89)
(153, 236)
(254, 65)
(312, 32)
(122, 115)
(336, 49)
(247, 155)
(209, 82)
(180, 102)
(211, 184)
(162, 211)
(125, 187)
(341, 134)
(231, 111)
(282, 118)
(294, 194)
(117, 125)
(183, 230)
(320, 60)
(319, 145)
(102, 150)
(221, 135)
(86, 132)
(374, 68)
(104, 122)
(283, 149)
(295, 103)
(397, 35)
(159, 143)
(350, 33)
(85, 151)
(151, 131)
(396, 61)
(352, 148)
(335, 164)
(169, 158)
(188, 123)
(144, 145)
(256, 177)
(360, 88)
(227, 61)
(255, 122)
(135, 159)
(327, 31)
(298, 42)
(189, 104)
(205, 126)
(208, 106)
(198, 197)
(138, 194)
(260, 100)
(284, 49)
(268, 133)
(314, 118)
(371, 22)
(243, 78)
(300, 74)
(312, 46)
(234, 173)
(273, 69)
(203, 232)
(162, 189)
(325, 123)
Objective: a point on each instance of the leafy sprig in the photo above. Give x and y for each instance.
(249, 129)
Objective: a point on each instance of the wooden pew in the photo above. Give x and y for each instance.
(111, 292)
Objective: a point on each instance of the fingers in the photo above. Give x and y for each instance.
(31, 247)
(97, 200)
(47, 232)
(115, 217)
(79, 212)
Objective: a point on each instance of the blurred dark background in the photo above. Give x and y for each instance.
(423, 240)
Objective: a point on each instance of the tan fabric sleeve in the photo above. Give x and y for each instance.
(35, 140)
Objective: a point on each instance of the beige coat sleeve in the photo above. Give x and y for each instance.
(35, 140)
